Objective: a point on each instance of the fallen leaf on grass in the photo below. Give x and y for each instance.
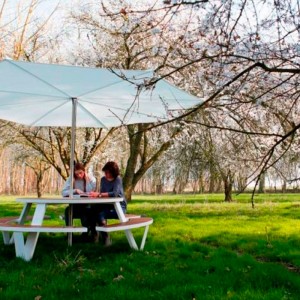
(119, 278)
(38, 298)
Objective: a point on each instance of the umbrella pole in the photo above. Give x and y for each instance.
(73, 138)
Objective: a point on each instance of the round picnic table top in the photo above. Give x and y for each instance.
(67, 200)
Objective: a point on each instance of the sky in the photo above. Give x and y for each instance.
(43, 9)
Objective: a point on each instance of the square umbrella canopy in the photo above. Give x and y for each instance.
(41, 95)
(37, 94)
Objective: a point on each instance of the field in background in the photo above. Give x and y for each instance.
(198, 248)
(211, 198)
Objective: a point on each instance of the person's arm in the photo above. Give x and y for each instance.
(96, 194)
(117, 190)
(66, 188)
(91, 184)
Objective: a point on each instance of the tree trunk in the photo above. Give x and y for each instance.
(228, 183)
(212, 170)
(284, 186)
(38, 187)
(262, 183)
(39, 178)
(241, 183)
(174, 190)
(211, 188)
(135, 140)
(218, 187)
(139, 149)
(228, 192)
(159, 189)
(201, 184)
(128, 190)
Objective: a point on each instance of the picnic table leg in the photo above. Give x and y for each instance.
(26, 249)
(21, 220)
(120, 212)
(144, 238)
(24, 213)
(30, 245)
(39, 214)
(7, 239)
(128, 233)
(19, 244)
(70, 235)
(131, 240)
(32, 238)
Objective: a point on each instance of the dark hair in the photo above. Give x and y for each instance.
(79, 167)
(112, 168)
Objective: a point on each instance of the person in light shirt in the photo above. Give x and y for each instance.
(82, 184)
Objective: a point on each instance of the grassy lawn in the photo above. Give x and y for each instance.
(198, 248)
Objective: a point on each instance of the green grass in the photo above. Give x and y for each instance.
(198, 248)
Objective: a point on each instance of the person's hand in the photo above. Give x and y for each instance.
(78, 191)
(94, 194)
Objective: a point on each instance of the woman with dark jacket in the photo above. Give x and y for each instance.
(111, 186)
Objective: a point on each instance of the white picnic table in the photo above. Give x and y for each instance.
(25, 246)
(42, 203)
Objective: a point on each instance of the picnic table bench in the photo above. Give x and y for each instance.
(128, 225)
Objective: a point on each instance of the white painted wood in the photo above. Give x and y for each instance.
(37, 219)
(11, 241)
(25, 250)
(68, 200)
(21, 219)
(39, 229)
(120, 212)
(42, 202)
(131, 240)
(127, 229)
(30, 245)
(23, 216)
(19, 245)
(6, 238)
(144, 238)
(24, 213)
(39, 214)
(123, 227)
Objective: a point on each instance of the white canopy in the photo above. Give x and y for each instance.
(41, 95)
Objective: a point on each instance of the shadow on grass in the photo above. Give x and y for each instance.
(268, 247)
(167, 269)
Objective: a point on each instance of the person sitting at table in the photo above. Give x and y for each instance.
(82, 183)
(111, 186)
